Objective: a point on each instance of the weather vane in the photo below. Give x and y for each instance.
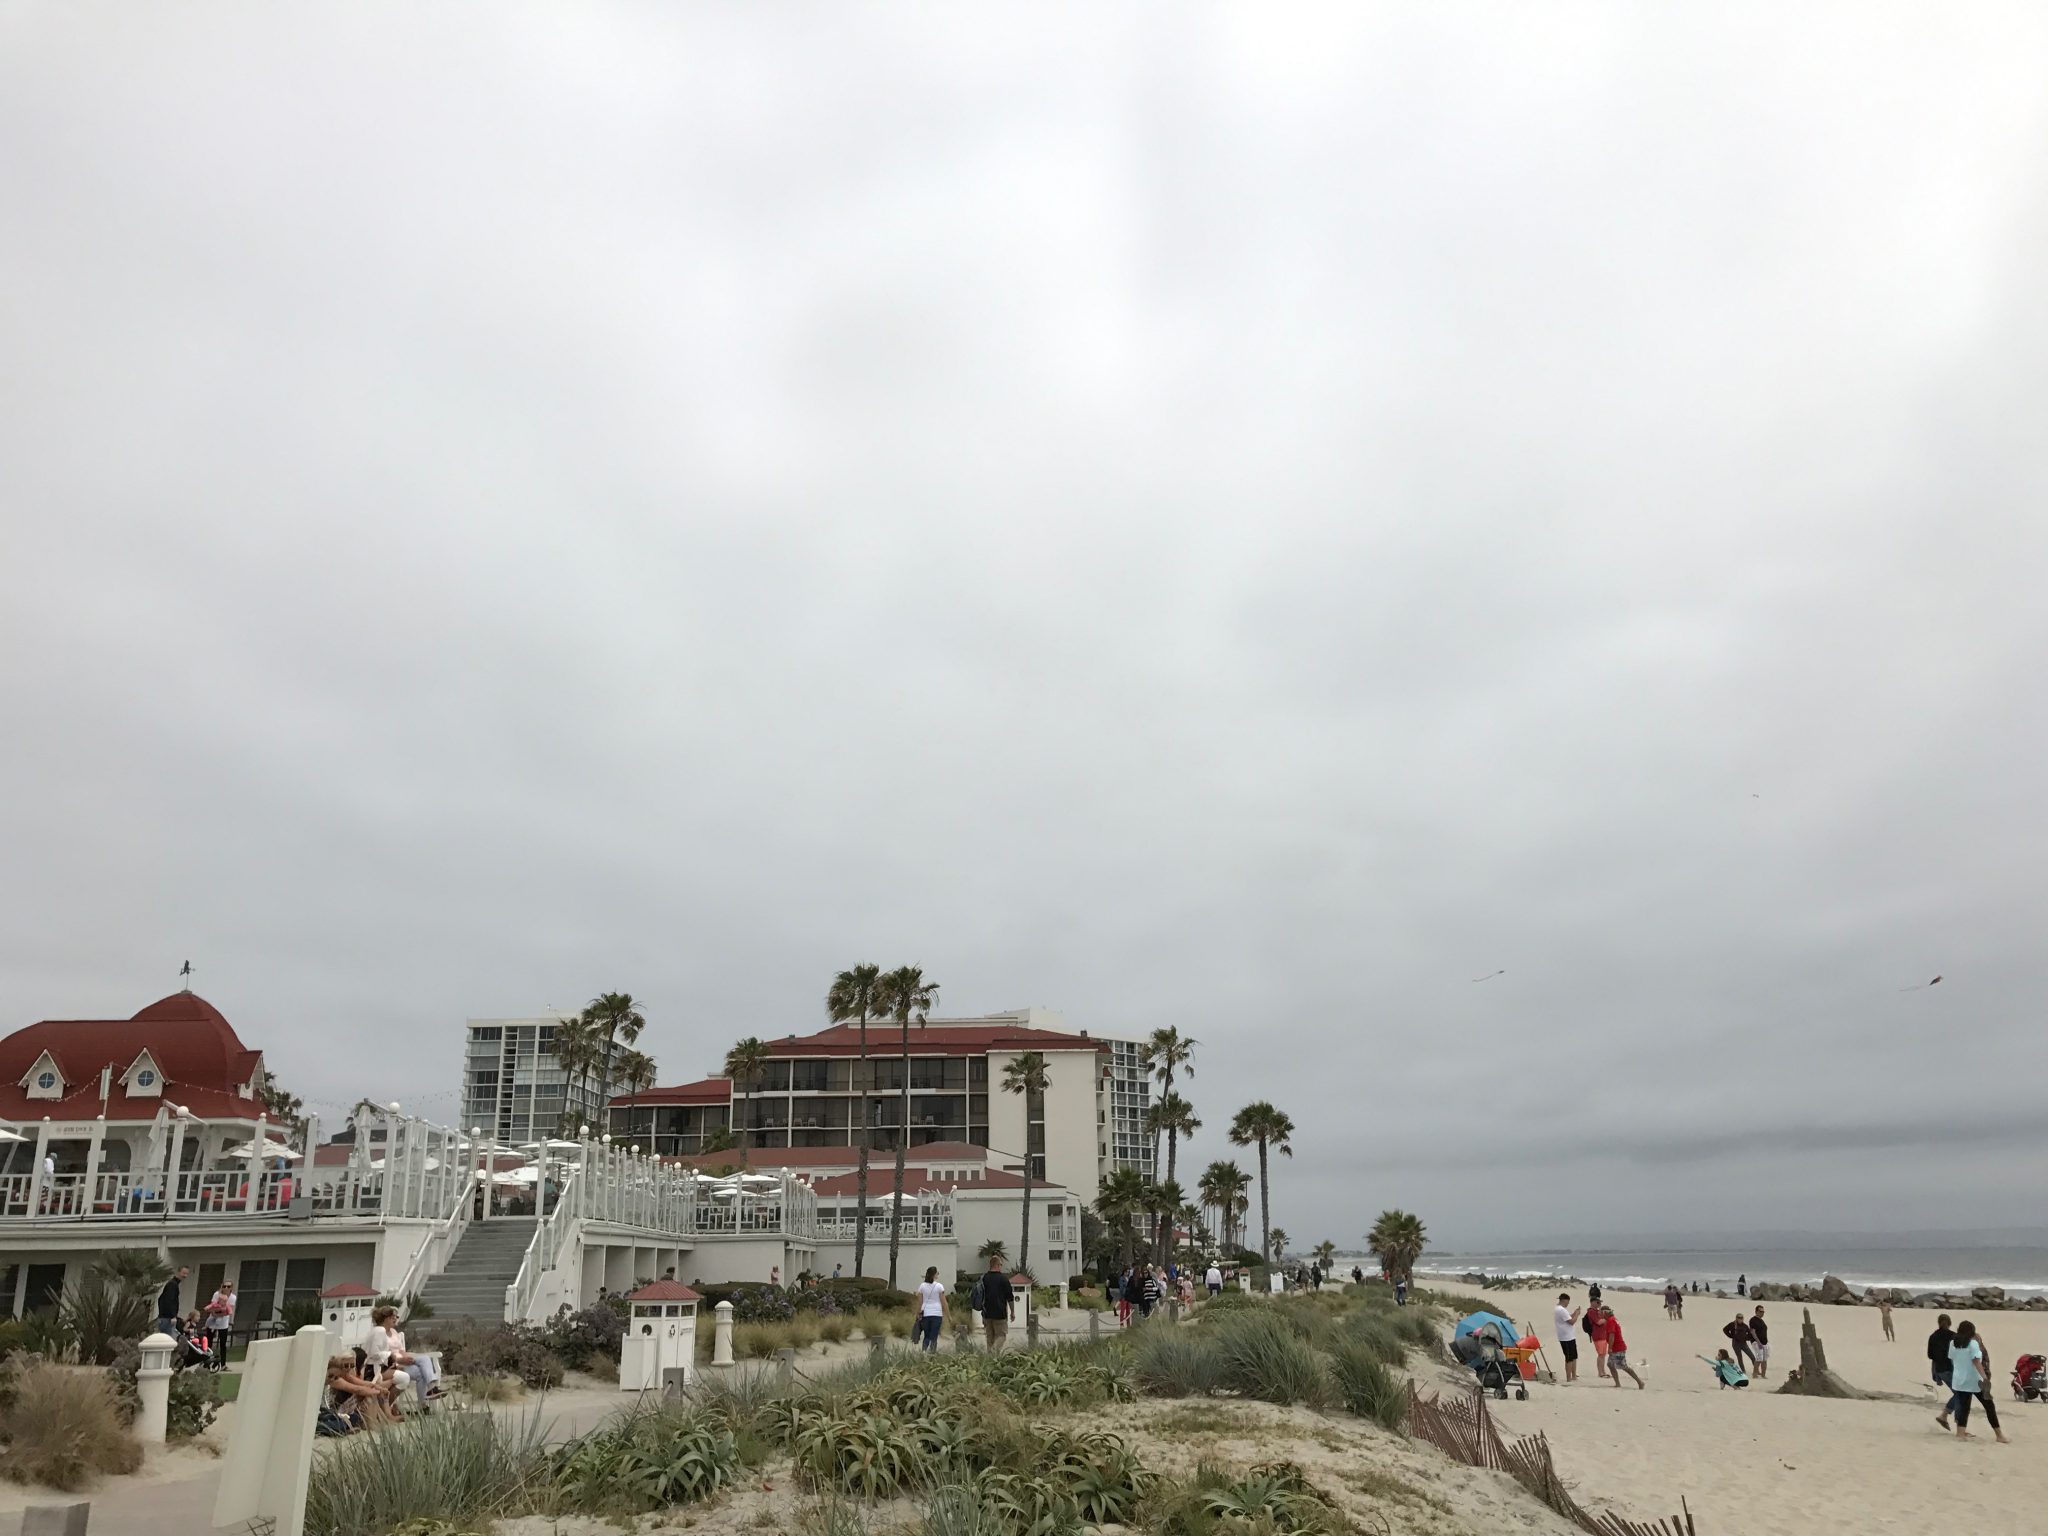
(186, 970)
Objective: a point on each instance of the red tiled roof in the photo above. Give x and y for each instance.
(203, 1063)
(347, 1288)
(708, 1090)
(946, 1039)
(839, 1157)
(882, 1182)
(664, 1290)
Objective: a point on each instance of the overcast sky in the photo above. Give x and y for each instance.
(1245, 519)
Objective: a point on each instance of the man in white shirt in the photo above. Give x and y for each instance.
(1568, 1335)
(1214, 1280)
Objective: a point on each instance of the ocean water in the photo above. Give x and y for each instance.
(2022, 1271)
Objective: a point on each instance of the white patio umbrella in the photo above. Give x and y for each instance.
(513, 1176)
(377, 1164)
(269, 1149)
(553, 1144)
(7, 1135)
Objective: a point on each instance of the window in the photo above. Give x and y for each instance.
(145, 1078)
(46, 1080)
(303, 1279)
(255, 1292)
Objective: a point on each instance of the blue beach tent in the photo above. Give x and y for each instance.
(1474, 1321)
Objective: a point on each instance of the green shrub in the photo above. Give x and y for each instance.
(1260, 1356)
(100, 1315)
(464, 1468)
(12, 1332)
(299, 1312)
(1365, 1385)
(1276, 1497)
(835, 1329)
(645, 1459)
(61, 1427)
(1175, 1362)
(194, 1401)
(1379, 1337)
(866, 1454)
(1421, 1329)
(500, 1347)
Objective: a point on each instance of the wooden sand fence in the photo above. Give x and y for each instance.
(1464, 1431)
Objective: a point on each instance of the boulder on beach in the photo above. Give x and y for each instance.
(1833, 1289)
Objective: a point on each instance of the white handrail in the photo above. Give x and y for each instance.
(438, 1239)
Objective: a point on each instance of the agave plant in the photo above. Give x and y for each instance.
(867, 1455)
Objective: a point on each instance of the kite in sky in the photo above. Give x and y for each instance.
(1490, 975)
(1923, 986)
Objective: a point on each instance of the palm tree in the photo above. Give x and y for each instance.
(719, 1140)
(1268, 1129)
(1118, 1201)
(905, 994)
(637, 1073)
(1175, 1116)
(852, 998)
(1325, 1251)
(1225, 1186)
(1162, 1199)
(1397, 1240)
(1026, 1075)
(744, 1064)
(1277, 1244)
(619, 1018)
(577, 1049)
(992, 1249)
(1190, 1216)
(1167, 1052)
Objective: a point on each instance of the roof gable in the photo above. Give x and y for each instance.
(44, 1079)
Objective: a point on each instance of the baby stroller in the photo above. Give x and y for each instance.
(2030, 1379)
(1487, 1343)
(195, 1349)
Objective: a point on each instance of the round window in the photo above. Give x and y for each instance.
(47, 1080)
(145, 1078)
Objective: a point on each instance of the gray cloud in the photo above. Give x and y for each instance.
(1207, 520)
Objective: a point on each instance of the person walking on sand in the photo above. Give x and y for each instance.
(931, 1311)
(1739, 1336)
(1938, 1364)
(1596, 1317)
(1969, 1371)
(1568, 1335)
(1884, 1315)
(1617, 1350)
(1760, 1343)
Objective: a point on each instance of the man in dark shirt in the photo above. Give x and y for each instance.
(167, 1313)
(1937, 1350)
(1760, 1344)
(998, 1305)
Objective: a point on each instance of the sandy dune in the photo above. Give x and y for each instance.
(1752, 1463)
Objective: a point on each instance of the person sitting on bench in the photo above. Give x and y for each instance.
(385, 1349)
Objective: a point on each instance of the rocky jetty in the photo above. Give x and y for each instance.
(1833, 1291)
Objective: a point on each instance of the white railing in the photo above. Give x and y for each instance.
(927, 1222)
(557, 1231)
(431, 1257)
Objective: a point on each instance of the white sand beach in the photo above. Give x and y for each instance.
(1759, 1464)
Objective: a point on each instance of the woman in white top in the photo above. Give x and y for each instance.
(220, 1317)
(931, 1310)
(385, 1349)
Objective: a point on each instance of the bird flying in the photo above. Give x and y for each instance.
(1923, 986)
(1488, 976)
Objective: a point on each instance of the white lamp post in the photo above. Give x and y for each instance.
(153, 1388)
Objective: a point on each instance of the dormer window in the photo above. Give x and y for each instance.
(44, 1080)
(143, 1076)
